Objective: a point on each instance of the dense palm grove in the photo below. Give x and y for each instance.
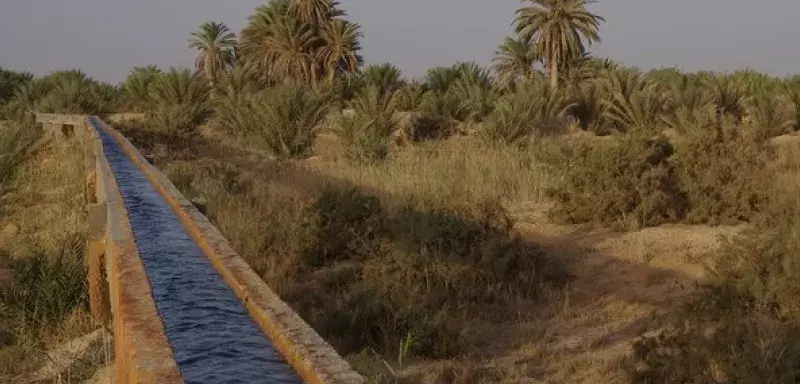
(635, 148)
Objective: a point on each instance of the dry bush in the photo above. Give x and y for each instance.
(726, 346)
(416, 272)
(723, 173)
(745, 328)
(627, 181)
(342, 224)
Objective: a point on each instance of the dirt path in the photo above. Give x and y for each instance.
(625, 286)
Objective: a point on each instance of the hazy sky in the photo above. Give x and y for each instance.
(107, 37)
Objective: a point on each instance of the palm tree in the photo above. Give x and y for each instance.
(339, 46)
(10, 81)
(216, 45)
(289, 51)
(440, 79)
(727, 93)
(513, 61)
(137, 86)
(585, 67)
(559, 29)
(180, 101)
(385, 76)
(315, 12)
(300, 41)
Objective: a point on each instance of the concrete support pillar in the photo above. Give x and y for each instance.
(99, 300)
(51, 130)
(90, 190)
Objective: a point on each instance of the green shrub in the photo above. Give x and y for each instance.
(283, 120)
(628, 181)
(723, 174)
(366, 133)
(421, 127)
(75, 93)
(10, 81)
(179, 100)
(136, 89)
(289, 118)
(771, 115)
(528, 112)
(45, 289)
(411, 96)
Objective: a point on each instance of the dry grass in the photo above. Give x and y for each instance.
(455, 171)
(47, 203)
(43, 214)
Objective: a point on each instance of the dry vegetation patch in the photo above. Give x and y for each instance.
(43, 297)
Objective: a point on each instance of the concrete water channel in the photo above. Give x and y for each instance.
(213, 338)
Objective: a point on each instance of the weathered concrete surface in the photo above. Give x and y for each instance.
(314, 359)
(96, 263)
(62, 126)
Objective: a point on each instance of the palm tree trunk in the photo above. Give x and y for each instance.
(553, 74)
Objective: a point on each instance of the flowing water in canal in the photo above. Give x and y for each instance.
(213, 338)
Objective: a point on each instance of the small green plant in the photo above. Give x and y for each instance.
(44, 288)
(403, 349)
(530, 111)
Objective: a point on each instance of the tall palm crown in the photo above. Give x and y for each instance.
(216, 46)
(314, 11)
(301, 41)
(338, 51)
(559, 29)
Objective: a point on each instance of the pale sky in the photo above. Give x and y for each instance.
(106, 38)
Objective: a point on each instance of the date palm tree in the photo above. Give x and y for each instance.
(514, 61)
(386, 76)
(215, 44)
(559, 29)
(339, 47)
(302, 41)
(314, 11)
